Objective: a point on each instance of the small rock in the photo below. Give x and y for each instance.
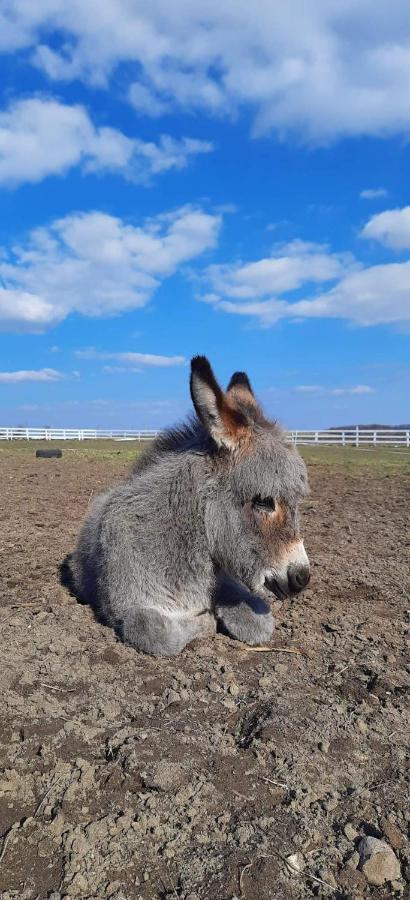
(244, 833)
(173, 697)
(230, 704)
(78, 886)
(361, 726)
(394, 836)
(266, 681)
(234, 689)
(329, 804)
(377, 861)
(167, 776)
(349, 831)
(281, 668)
(295, 862)
(324, 746)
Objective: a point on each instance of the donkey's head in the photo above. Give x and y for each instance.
(259, 480)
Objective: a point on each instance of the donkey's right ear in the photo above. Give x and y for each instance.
(225, 424)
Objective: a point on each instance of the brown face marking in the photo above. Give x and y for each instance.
(272, 520)
(277, 528)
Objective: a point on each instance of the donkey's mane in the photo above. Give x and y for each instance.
(185, 437)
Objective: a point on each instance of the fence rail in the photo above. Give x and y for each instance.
(355, 437)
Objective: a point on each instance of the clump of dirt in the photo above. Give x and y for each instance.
(224, 773)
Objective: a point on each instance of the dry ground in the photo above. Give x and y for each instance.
(128, 777)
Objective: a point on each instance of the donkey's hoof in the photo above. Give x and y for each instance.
(262, 630)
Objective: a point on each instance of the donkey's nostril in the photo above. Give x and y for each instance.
(298, 578)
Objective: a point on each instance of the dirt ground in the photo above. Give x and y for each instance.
(124, 776)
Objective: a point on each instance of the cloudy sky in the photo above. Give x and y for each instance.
(220, 178)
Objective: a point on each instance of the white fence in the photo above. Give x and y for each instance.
(354, 437)
(74, 434)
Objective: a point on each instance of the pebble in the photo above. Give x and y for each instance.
(244, 833)
(266, 681)
(324, 746)
(394, 836)
(361, 726)
(173, 697)
(378, 861)
(349, 831)
(167, 776)
(295, 862)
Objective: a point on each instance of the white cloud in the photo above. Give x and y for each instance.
(366, 296)
(373, 193)
(391, 228)
(131, 359)
(24, 311)
(290, 266)
(323, 69)
(30, 375)
(97, 265)
(334, 392)
(41, 137)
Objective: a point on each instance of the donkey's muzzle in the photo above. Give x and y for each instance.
(276, 587)
(298, 578)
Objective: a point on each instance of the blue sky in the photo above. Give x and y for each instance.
(213, 181)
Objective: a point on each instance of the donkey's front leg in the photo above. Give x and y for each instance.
(160, 633)
(243, 615)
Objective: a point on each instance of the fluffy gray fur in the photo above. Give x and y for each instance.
(180, 545)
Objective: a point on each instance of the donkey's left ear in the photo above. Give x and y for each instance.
(225, 424)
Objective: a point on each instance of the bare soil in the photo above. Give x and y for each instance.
(124, 776)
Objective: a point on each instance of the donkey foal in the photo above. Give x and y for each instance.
(204, 530)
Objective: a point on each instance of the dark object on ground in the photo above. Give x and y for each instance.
(49, 454)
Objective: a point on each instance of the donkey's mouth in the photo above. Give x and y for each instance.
(274, 587)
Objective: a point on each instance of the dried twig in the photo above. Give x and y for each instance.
(343, 669)
(53, 687)
(281, 784)
(48, 791)
(242, 872)
(250, 649)
(7, 837)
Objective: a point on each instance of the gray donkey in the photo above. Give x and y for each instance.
(204, 530)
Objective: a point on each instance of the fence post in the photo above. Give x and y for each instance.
(375, 437)
(316, 437)
(357, 435)
(407, 438)
(343, 439)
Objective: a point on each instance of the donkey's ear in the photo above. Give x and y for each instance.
(240, 382)
(239, 388)
(225, 424)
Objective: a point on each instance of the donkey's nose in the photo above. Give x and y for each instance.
(298, 578)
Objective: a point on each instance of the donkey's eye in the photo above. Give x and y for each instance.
(263, 503)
